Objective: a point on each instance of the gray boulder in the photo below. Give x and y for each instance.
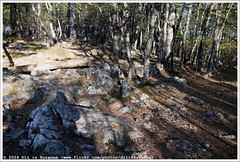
(211, 115)
(15, 133)
(126, 109)
(106, 66)
(126, 88)
(38, 71)
(24, 143)
(147, 116)
(55, 148)
(103, 79)
(196, 100)
(88, 103)
(167, 114)
(39, 140)
(92, 90)
(7, 101)
(189, 150)
(50, 133)
(175, 79)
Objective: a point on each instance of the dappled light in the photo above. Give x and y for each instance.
(119, 81)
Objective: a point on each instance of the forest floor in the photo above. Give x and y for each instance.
(205, 130)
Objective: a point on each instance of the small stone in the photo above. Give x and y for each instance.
(135, 90)
(135, 134)
(106, 66)
(107, 97)
(126, 109)
(64, 45)
(175, 79)
(108, 135)
(92, 90)
(145, 124)
(196, 100)
(88, 103)
(37, 71)
(228, 136)
(7, 101)
(206, 145)
(147, 116)
(144, 96)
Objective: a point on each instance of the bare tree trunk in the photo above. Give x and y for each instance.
(203, 36)
(50, 16)
(170, 32)
(165, 32)
(115, 45)
(127, 41)
(221, 31)
(184, 59)
(8, 55)
(59, 28)
(140, 40)
(72, 32)
(39, 26)
(194, 35)
(149, 44)
(192, 51)
(216, 38)
(39, 20)
(137, 27)
(13, 18)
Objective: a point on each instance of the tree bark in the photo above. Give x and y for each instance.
(214, 42)
(165, 32)
(59, 27)
(72, 32)
(51, 22)
(137, 27)
(149, 44)
(184, 59)
(203, 35)
(115, 45)
(127, 41)
(8, 55)
(170, 32)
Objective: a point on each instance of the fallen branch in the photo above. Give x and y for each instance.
(54, 65)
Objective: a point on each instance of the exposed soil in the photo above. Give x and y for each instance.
(209, 134)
